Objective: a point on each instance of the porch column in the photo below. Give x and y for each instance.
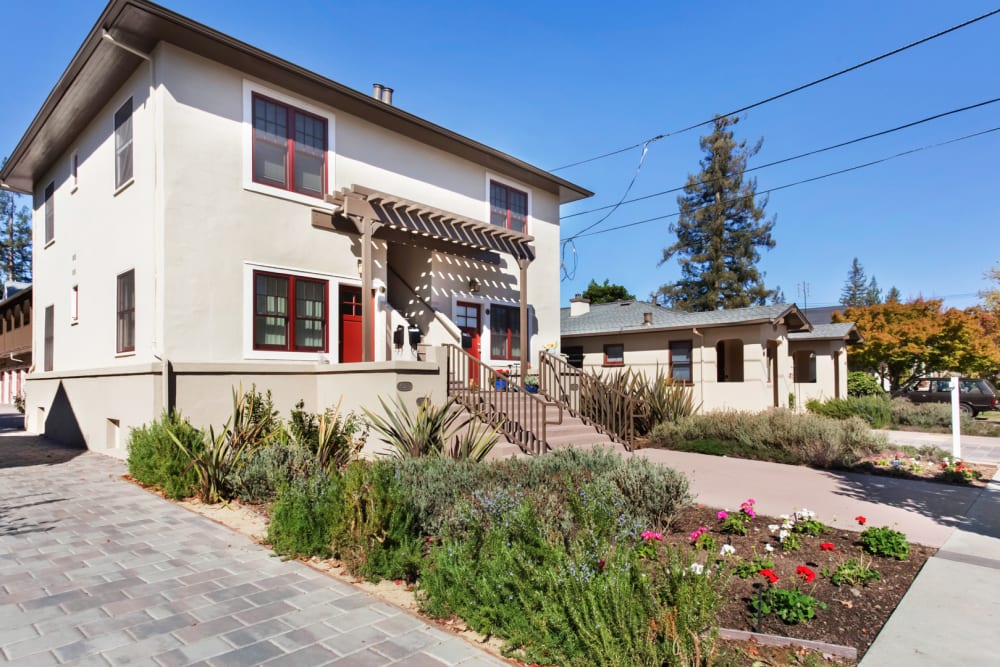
(367, 348)
(523, 263)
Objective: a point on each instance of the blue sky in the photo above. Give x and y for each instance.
(555, 82)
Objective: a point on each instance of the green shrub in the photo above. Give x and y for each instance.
(936, 418)
(876, 410)
(435, 430)
(789, 604)
(155, 460)
(335, 438)
(884, 541)
(853, 572)
(269, 467)
(304, 514)
(860, 384)
(779, 435)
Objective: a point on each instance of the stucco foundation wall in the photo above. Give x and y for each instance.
(95, 411)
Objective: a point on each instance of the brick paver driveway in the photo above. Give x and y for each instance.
(95, 571)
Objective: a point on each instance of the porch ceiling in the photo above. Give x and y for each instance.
(397, 213)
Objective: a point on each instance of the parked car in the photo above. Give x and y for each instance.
(974, 395)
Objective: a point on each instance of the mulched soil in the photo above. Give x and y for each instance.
(854, 614)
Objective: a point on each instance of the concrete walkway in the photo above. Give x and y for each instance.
(96, 571)
(951, 613)
(976, 448)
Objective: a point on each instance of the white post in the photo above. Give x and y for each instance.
(956, 423)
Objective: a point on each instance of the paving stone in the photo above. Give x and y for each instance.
(355, 640)
(199, 650)
(363, 659)
(42, 643)
(315, 654)
(255, 633)
(161, 626)
(248, 656)
(199, 631)
(85, 647)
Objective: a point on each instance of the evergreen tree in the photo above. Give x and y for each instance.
(893, 295)
(15, 238)
(855, 291)
(606, 293)
(719, 230)
(778, 295)
(873, 295)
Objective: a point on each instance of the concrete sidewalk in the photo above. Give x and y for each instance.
(951, 613)
(96, 571)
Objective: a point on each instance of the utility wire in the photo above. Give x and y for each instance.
(795, 157)
(802, 182)
(787, 92)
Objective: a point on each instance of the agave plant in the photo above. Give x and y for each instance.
(337, 438)
(435, 430)
(224, 453)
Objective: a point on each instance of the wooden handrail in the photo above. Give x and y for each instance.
(588, 398)
(501, 401)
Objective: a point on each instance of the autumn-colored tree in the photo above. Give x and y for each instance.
(918, 336)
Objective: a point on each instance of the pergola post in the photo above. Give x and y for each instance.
(367, 345)
(523, 263)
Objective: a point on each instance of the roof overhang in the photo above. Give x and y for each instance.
(100, 68)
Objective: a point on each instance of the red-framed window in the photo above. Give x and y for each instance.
(614, 354)
(126, 312)
(290, 313)
(508, 207)
(289, 147)
(505, 332)
(50, 211)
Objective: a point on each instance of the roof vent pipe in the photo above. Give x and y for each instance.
(377, 91)
(647, 319)
(387, 95)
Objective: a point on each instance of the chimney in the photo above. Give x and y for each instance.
(647, 319)
(377, 91)
(387, 95)
(578, 306)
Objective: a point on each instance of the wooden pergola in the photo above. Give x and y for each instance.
(371, 214)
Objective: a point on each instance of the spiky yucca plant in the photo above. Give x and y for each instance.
(435, 430)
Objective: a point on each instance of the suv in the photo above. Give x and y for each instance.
(974, 396)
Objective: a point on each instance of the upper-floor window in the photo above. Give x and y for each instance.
(123, 144)
(50, 212)
(126, 312)
(289, 147)
(508, 207)
(289, 313)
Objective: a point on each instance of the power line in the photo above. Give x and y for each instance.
(787, 92)
(794, 157)
(802, 182)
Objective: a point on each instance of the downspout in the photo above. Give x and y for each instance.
(155, 345)
(701, 363)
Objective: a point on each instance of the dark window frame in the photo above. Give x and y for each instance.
(49, 338)
(49, 203)
(674, 364)
(125, 312)
(809, 370)
(508, 215)
(292, 317)
(607, 357)
(290, 143)
(574, 355)
(510, 333)
(124, 171)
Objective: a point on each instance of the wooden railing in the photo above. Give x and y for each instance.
(584, 395)
(501, 401)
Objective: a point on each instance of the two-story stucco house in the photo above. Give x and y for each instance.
(207, 214)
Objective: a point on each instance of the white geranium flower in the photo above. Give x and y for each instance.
(727, 549)
(773, 527)
(782, 535)
(768, 548)
(697, 568)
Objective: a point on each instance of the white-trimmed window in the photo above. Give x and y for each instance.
(614, 354)
(290, 313)
(505, 332)
(508, 207)
(680, 361)
(126, 313)
(289, 147)
(123, 144)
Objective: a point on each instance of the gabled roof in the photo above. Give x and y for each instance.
(100, 68)
(840, 331)
(628, 317)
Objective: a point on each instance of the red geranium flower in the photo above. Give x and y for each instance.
(805, 573)
(861, 520)
(769, 575)
(826, 546)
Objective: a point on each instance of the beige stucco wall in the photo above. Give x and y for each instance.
(645, 350)
(831, 370)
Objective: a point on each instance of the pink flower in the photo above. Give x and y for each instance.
(650, 535)
(697, 533)
(722, 515)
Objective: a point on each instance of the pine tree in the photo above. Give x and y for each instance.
(719, 230)
(855, 291)
(15, 239)
(778, 295)
(893, 295)
(873, 295)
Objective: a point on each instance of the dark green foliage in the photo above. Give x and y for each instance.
(269, 467)
(720, 228)
(876, 410)
(15, 238)
(789, 604)
(860, 383)
(853, 572)
(884, 541)
(606, 292)
(775, 435)
(858, 290)
(304, 514)
(751, 568)
(155, 460)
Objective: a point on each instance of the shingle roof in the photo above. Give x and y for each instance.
(627, 316)
(841, 330)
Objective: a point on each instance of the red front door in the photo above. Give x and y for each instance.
(350, 324)
(468, 320)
